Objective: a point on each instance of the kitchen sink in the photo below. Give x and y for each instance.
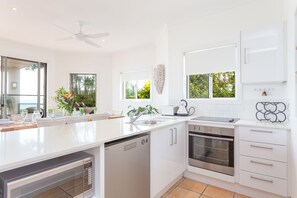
(149, 122)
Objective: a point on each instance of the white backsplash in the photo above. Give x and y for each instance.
(243, 111)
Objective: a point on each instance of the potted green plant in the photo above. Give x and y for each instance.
(65, 100)
(135, 113)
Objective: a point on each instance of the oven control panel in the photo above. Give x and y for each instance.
(211, 130)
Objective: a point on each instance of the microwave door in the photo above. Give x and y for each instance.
(64, 181)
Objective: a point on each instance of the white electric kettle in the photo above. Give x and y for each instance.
(182, 109)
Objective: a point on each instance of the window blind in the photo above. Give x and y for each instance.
(136, 75)
(220, 59)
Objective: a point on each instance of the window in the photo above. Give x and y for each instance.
(140, 89)
(211, 73)
(136, 85)
(84, 88)
(23, 86)
(215, 85)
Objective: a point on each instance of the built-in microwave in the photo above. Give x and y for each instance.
(64, 177)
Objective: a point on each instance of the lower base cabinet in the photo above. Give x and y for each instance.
(264, 183)
(263, 160)
(168, 156)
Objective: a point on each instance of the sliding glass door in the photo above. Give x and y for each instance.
(23, 86)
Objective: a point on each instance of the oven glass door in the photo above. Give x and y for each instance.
(211, 149)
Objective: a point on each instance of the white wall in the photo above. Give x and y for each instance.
(74, 62)
(292, 82)
(213, 30)
(161, 50)
(136, 59)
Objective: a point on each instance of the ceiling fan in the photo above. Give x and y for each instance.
(80, 36)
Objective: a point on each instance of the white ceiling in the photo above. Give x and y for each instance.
(130, 22)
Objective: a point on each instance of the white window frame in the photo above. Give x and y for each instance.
(210, 87)
(238, 87)
(123, 86)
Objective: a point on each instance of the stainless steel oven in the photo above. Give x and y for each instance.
(64, 177)
(212, 148)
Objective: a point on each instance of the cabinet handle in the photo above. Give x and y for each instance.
(261, 131)
(171, 137)
(262, 147)
(262, 163)
(175, 129)
(244, 56)
(265, 180)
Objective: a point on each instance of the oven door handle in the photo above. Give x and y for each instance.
(211, 137)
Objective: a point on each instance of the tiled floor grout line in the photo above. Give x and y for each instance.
(174, 187)
(189, 190)
(205, 188)
(179, 182)
(192, 190)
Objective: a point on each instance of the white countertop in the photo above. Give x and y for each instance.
(20, 148)
(252, 123)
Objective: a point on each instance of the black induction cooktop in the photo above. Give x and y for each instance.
(216, 119)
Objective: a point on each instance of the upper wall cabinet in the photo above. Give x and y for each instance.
(262, 55)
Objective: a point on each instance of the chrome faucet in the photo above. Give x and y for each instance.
(133, 118)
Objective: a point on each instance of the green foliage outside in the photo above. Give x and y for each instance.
(199, 85)
(223, 85)
(130, 89)
(145, 91)
(83, 87)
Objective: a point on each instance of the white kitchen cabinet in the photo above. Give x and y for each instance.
(168, 156)
(262, 55)
(263, 154)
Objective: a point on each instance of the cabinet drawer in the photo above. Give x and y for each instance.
(264, 151)
(265, 135)
(265, 167)
(265, 183)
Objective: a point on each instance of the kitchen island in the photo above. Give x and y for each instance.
(25, 147)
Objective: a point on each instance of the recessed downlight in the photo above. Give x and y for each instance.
(14, 9)
(103, 40)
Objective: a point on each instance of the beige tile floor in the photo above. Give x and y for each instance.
(187, 188)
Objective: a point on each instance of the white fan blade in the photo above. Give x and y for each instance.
(66, 38)
(98, 35)
(90, 42)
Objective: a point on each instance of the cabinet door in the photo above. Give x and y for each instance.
(262, 55)
(179, 149)
(168, 155)
(161, 159)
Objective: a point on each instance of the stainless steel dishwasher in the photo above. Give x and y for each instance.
(127, 168)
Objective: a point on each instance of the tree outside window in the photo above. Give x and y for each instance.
(215, 85)
(84, 88)
(137, 89)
